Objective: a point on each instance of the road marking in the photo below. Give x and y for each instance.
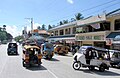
(3, 67)
(52, 74)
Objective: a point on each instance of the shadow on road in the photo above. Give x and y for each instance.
(54, 59)
(105, 73)
(36, 68)
(14, 55)
(67, 55)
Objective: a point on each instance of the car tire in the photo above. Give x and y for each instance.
(76, 65)
(91, 68)
(23, 63)
(102, 68)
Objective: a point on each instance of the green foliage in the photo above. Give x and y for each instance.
(3, 35)
(65, 21)
(39, 27)
(61, 23)
(73, 19)
(79, 16)
(4, 27)
(49, 27)
(18, 38)
(43, 27)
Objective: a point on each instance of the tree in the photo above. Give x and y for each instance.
(49, 27)
(73, 19)
(65, 21)
(61, 23)
(3, 36)
(78, 16)
(43, 27)
(18, 38)
(4, 27)
(39, 28)
(9, 37)
(0, 29)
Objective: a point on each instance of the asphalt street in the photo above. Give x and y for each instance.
(58, 67)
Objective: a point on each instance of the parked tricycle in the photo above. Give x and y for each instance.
(91, 57)
(47, 50)
(115, 58)
(61, 49)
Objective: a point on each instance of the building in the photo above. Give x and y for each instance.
(99, 30)
(64, 32)
(39, 32)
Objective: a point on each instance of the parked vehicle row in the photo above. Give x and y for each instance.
(87, 56)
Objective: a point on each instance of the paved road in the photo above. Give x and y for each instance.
(58, 67)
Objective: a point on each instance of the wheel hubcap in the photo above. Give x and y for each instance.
(76, 65)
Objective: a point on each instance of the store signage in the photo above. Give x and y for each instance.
(95, 37)
(88, 37)
(81, 37)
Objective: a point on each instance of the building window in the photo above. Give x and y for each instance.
(52, 33)
(74, 30)
(67, 31)
(117, 24)
(79, 29)
(103, 26)
(56, 33)
(62, 32)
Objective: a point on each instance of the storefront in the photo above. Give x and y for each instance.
(114, 39)
(116, 45)
(97, 39)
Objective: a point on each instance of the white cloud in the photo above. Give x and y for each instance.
(28, 25)
(36, 25)
(70, 1)
(13, 30)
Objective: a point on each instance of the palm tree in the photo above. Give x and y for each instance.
(65, 21)
(78, 16)
(43, 27)
(73, 19)
(61, 23)
(39, 28)
(49, 27)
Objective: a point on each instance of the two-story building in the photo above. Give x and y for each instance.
(64, 32)
(99, 30)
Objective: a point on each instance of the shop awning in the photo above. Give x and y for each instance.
(114, 35)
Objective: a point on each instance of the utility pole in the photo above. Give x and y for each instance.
(31, 24)
(31, 21)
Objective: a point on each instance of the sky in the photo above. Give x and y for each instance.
(13, 13)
